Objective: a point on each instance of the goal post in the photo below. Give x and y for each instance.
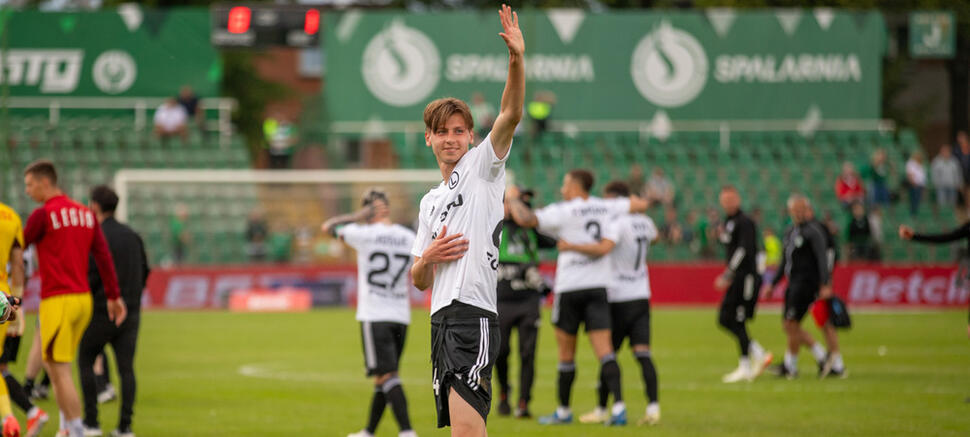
(218, 206)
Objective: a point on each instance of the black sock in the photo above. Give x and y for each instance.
(611, 376)
(602, 391)
(377, 404)
(649, 374)
(399, 404)
(46, 381)
(17, 393)
(744, 342)
(567, 373)
(28, 386)
(101, 382)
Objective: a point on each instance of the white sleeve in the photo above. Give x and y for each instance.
(423, 238)
(618, 206)
(652, 233)
(490, 167)
(550, 220)
(353, 234)
(158, 115)
(611, 229)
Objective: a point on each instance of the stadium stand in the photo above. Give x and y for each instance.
(765, 165)
(89, 150)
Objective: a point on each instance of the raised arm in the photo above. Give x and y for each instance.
(520, 212)
(513, 98)
(907, 233)
(330, 226)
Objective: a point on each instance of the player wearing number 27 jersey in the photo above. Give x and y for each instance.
(383, 302)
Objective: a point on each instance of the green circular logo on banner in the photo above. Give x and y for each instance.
(669, 67)
(114, 71)
(401, 66)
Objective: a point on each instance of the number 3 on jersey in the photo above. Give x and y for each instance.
(381, 264)
(593, 227)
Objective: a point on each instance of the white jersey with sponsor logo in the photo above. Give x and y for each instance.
(468, 203)
(383, 263)
(631, 281)
(582, 221)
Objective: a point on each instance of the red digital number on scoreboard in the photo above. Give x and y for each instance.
(311, 22)
(239, 19)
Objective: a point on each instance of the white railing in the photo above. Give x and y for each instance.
(658, 127)
(140, 106)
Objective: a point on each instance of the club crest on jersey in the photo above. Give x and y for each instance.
(453, 180)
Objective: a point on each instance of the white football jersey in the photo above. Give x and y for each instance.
(582, 221)
(383, 263)
(631, 281)
(468, 203)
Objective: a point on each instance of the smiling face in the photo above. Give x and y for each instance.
(448, 128)
(450, 141)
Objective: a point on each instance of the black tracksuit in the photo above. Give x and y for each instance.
(131, 265)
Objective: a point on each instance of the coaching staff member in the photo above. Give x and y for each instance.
(131, 264)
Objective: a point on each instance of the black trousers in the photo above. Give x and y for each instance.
(102, 332)
(524, 317)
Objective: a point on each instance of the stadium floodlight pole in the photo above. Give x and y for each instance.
(125, 177)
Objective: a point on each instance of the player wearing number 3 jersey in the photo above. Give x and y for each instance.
(383, 303)
(584, 226)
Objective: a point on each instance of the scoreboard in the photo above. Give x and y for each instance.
(265, 25)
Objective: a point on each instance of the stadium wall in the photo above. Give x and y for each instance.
(897, 286)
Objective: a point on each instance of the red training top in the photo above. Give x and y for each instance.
(65, 232)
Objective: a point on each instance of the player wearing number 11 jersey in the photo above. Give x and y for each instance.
(383, 303)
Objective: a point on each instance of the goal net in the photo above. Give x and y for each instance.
(201, 217)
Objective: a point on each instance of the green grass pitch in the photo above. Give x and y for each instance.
(222, 374)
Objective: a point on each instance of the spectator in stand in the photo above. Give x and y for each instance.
(671, 231)
(830, 224)
(483, 113)
(916, 180)
(180, 235)
(189, 101)
(858, 233)
(170, 120)
(636, 181)
(280, 137)
(705, 230)
(660, 189)
(876, 175)
(257, 232)
(848, 187)
(946, 176)
(539, 110)
(690, 227)
(773, 253)
(962, 154)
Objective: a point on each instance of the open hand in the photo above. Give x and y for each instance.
(117, 311)
(510, 31)
(825, 292)
(445, 248)
(722, 283)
